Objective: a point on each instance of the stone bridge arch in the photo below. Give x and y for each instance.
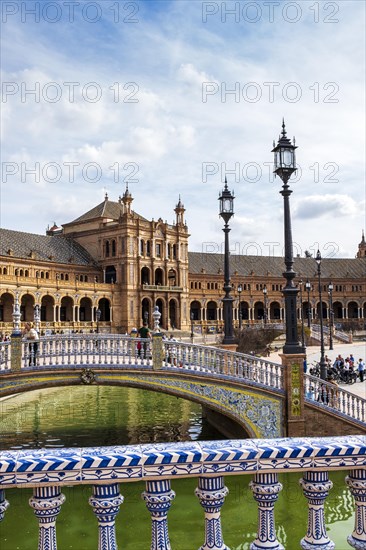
(241, 411)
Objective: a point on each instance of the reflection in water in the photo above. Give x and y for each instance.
(102, 415)
(98, 415)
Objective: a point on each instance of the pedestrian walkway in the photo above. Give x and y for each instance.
(358, 349)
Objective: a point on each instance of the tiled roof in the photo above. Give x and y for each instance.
(55, 248)
(106, 209)
(267, 266)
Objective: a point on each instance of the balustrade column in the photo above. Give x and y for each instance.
(265, 488)
(105, 501)
(158, 497)
(211, 492)
(46, 503)
(316, 486)
(356, 481)
(4, 504)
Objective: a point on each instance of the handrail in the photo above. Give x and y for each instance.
(106, 468)
(333, 397)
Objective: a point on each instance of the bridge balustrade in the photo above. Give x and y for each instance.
(121, 351)
(331, 396)
(108, 468)
(99, 351)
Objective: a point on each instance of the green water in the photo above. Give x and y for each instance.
(83, 416)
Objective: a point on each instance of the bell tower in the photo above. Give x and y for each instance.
(179, 211)
(127, 200)
(362, 247)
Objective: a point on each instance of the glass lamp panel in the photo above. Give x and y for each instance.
(227, 205)
(287, 158)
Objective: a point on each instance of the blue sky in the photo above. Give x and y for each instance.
(173, 129)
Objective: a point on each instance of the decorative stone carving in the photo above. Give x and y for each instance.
(265, 489)
(105, 501)
(46, 503)
(211, 492)
(158, 497)
(316, 486)
(356, 481)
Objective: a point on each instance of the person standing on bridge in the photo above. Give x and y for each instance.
(32, 336)
(361, 369)
(144, 332)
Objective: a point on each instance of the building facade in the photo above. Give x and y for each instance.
(107, 269)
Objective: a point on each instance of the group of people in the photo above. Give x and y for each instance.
(348, 369)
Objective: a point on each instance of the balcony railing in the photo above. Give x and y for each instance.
(108, 468)
(162, 288)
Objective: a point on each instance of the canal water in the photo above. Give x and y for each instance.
(98, 415)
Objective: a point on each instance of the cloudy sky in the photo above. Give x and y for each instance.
(171, 96)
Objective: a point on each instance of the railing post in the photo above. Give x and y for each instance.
(4, 504)
(46, 503)
(293, 378)
(105, 501)
(211, 492)
(158, 497)
(157, 350)
(316, 486)
(356, 481)
(265, 488)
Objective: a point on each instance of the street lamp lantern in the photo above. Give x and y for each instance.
(240, 290)
(331, 315)
(284, 156)
(308, 288)
(284, 167)
(323, 365)
(226, 199)
(265, 304)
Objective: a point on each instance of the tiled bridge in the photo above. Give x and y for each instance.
(249, 390)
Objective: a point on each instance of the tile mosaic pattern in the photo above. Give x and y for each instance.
(186, 459)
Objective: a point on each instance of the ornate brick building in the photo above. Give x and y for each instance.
(113, 260)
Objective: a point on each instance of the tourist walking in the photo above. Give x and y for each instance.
(361, 369)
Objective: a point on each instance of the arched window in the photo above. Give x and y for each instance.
(66, 277)
(113, 247)
(107, 249)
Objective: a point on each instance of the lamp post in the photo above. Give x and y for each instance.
(226, 212)
(240, 290)
(98, 314)
(192, 334)
(330, 293)
(302, 317)
(323, 365)
(265, 304)
(284, 167)
(308, 288)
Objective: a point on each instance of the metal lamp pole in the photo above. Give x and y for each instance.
(302, 317)
(323, 365)
(265, 304)
(331, 314)
(308, 288)
(226, 212)
(284, 167)
(240, 290)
